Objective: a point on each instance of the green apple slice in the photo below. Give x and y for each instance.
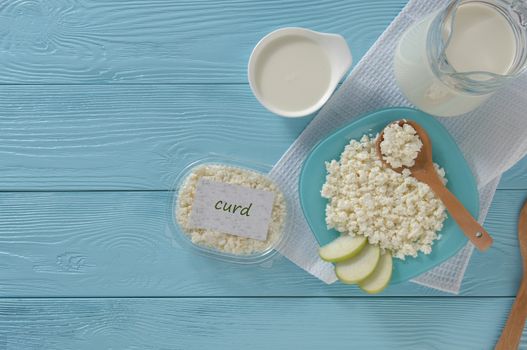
(342, 248)
(380, 278)
(360, 267)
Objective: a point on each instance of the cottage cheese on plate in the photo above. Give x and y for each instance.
(394, 210)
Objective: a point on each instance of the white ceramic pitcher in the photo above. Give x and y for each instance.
(293, 71)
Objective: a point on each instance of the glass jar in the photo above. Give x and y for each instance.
(456, 58)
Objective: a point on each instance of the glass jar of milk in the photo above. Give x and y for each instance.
(454, 59)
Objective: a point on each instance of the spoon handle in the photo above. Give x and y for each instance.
(472, 229)
(512, 333)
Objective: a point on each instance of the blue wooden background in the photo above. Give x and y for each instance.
(102, 102)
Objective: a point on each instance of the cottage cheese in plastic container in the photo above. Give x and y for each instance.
(229, 210)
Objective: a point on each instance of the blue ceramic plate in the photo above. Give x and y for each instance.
(445, 153)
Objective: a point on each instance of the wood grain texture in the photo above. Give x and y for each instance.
(118, 244)
(164, 41)
(136, 137)
(499, 268)
(512, 332)
(82, 136)
(130, 137)
(516, 177)
(340, 323)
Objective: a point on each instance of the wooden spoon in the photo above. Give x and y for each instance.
(424, 171)
(512, 333)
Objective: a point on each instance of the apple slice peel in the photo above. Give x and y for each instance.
(380, 278)
(360, 267)
(342, 248)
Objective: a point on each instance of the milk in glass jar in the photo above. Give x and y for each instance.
(454, 59)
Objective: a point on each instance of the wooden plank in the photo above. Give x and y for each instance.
(498, 271)
(119, 244)
(164, 41)
(130, 137)
(516, 177)
(278, 323)
(136, 137)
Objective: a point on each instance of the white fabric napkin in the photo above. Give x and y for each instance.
(492, 139)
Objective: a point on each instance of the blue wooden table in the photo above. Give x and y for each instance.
(102, 102)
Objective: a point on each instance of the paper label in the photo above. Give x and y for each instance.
(234, 209)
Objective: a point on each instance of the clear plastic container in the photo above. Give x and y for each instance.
(207, 242)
